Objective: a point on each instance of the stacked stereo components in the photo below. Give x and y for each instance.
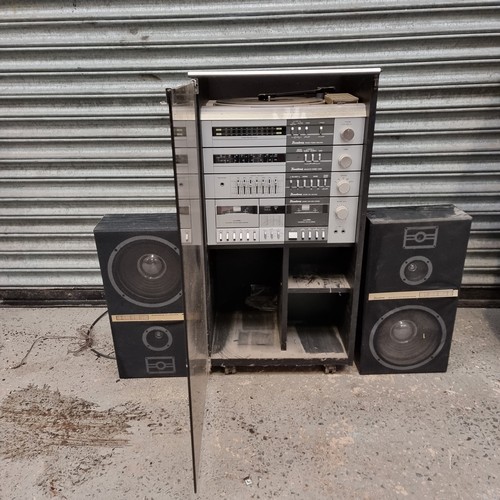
(285, 170)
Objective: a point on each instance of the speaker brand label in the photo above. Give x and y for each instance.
(416, 294)
(167, 317)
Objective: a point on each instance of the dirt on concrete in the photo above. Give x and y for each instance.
(71, 429)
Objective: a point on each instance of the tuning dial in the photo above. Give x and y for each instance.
(344, 161)
(347, 134)
(342, 212)
(343, 186)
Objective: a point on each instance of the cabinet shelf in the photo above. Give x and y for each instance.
(317, 283)
(247, 337)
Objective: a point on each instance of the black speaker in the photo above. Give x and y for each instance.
(414, 259)
(141, 268)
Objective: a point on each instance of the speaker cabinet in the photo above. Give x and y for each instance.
(414, 259)
(141, 268)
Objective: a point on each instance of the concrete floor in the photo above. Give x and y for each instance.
(69, 428)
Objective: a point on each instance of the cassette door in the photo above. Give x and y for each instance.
(183, 123)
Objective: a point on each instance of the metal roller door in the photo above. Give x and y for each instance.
(84, 125)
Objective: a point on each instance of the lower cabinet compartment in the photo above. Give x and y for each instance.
(246, 334)
(243, 338)
(246, 279)
(246, 288)
(267, 314)
(317, 321)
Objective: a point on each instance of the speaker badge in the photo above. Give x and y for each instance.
(420, 237)
(160, 365)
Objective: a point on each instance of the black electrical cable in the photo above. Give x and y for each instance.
(87, 343)
(95, 351)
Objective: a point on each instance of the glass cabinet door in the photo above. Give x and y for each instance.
(184, 136)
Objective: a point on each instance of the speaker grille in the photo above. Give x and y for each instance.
(407, 337)
(146, 271)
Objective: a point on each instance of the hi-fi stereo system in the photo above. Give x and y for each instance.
(414, 263)
(282, 170)
(140, 262)
(263, 263)
(271, 172)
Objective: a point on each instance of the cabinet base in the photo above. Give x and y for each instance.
(251, 338)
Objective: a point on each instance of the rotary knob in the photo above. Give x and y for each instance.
(343, 186)
(341, 212)
(347, 134)
(344, 161)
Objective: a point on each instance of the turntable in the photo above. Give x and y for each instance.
(271, 101)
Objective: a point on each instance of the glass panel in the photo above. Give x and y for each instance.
(183, 119)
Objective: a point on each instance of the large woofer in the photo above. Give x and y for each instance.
(146, 271)
(415, 270)
(407, 337)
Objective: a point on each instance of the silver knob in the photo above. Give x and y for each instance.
(344, 161)
(343, 186)
(342, 212)
(347, 134)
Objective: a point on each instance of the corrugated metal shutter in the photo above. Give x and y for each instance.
(84, 128)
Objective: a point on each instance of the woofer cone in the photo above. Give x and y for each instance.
(146, 271)
(407, 337)
(415, 270)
